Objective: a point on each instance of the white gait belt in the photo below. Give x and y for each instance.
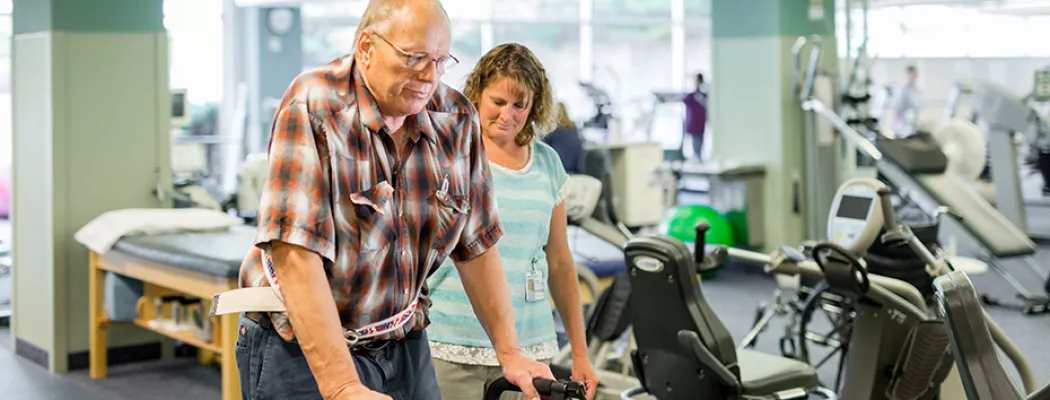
(269, 299)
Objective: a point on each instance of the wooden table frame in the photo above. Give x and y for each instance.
(164, 280)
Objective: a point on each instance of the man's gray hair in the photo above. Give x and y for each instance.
(378, 14)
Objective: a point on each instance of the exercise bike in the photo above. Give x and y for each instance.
(973, 338)
(802, 299)
(898, 351)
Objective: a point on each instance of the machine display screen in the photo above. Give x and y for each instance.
(1042, 85)
(178, 105)
(854, 207)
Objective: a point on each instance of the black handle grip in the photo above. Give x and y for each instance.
(545, 387)
(701, 241)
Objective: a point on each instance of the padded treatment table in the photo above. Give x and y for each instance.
(190, 265)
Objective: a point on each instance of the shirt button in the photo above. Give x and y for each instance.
(406, 291)
(403, 252)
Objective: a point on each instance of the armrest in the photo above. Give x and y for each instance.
(713, 260)
(689, 341)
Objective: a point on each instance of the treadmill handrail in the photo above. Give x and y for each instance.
(847, 132)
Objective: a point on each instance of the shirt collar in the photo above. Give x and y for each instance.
(421, 124)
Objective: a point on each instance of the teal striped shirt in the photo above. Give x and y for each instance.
(526, 198)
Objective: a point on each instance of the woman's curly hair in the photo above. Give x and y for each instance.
(517, 62)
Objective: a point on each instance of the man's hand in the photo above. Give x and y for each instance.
(583, 371)
(359, 391)
(520, 370)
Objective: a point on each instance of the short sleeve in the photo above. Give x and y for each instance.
(482, 229)
(557, 174)
(295, 203)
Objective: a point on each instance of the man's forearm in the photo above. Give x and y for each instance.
(314, 318)
(486, 286)
(565, 290)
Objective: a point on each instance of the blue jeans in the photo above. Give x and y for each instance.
(272, 368)
(698, 145)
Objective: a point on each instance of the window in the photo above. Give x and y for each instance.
(618, 10)
(466, 47)
(5, 52)
(993, 35)
(466, 9)
(630, 63)
(195, 32)
(885, 37)
(323, 43)
(1038, 27)
(936, 30)
(536, 10)
(558, 47)
(697, 51)
(697, 9)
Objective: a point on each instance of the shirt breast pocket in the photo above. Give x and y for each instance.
(374, 217)
(450, 212)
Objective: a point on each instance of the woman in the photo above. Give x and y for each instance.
(566, 141)
(510, 89)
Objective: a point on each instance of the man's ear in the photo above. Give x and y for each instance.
(365, 48)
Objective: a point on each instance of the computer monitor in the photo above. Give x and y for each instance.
(180, 108)
(1042, 85)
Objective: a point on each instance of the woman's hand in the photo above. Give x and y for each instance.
(583, 371)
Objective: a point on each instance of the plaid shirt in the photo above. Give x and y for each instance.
(381, 224)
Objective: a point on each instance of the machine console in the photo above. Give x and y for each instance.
(1042, 85)
(856, 216)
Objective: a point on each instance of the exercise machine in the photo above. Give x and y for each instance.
(684, 351)
(974, 336)
(1009, 119)
(902, 348)
(898, 349)
(916, 167)
(555, 390)
(602, 103)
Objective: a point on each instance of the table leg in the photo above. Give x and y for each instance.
(231, 382)
(97, 359)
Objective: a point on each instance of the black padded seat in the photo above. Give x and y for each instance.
(762, 374)
(684, 350)
(213, 253)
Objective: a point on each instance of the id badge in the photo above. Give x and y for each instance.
(535, 286)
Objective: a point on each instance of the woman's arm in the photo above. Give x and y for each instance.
(564, 284)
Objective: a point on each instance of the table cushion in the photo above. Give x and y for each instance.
(213, 253)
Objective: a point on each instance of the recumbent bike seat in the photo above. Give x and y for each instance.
(684, 351)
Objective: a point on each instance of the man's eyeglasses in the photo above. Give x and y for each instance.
(420, 60)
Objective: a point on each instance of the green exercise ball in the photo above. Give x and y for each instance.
(680, 223)
(738, 220)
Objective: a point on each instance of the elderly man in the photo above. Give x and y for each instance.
(377, 173)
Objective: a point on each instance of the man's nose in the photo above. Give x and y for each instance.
(429, 72)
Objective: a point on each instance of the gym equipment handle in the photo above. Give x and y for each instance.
(546, 387)
(701, 242)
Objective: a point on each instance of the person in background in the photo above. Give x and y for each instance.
(377, 175)
(566, 140)
(905, 105)
(696, 117)
(513, 96)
